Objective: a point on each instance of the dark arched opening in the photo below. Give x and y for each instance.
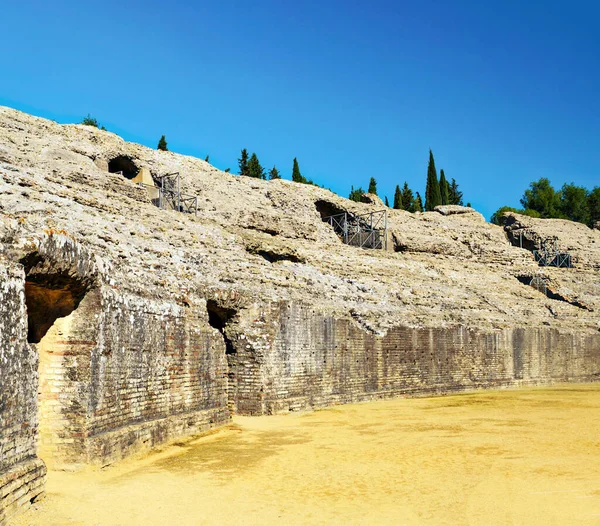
(49, 294)
(218, 318)
(124, 165)
(53, 292)
(328, 209)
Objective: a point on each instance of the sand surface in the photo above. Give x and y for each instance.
(527, 456)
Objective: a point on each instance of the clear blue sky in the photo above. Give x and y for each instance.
(502, 92)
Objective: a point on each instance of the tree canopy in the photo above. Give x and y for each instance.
(373, 186)
(274, 173)
(444, 188)
(572, 202)
(433, 196)
(162, 144)
(243, 162)
(254, 168)
(356, 195)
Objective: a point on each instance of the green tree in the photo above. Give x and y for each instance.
(373, 186)
(255, 169)
(455, 197)
(574, 203)
(594, 205)
(433, 196)
(408, 200)
(243, 162)
(387, 203)
(207, 158)
(296, 175)
(542, 198)
(498, 218)
(162, 144)
(418, 205)
(90, 121)
(398, 199)
(274, 173)
(444, 188)
(227, 170)
(356, 195)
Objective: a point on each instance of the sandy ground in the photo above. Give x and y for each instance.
(496, 457)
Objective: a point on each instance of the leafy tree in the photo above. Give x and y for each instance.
(387, 203)
(408, 200)
(444, 188)
(89, 121)
(162, 144)
(255, 169)
(398, 199)
(227, 170)
(543, 198)
(356, 195)
(498, 218)
(373, 186)
(418, 205)
(455, 197)
(574, 203)
(274, 173)
(433, 196)
(207, 158)
(243, 162)
(594, 205)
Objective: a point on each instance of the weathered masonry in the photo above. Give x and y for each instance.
(124, 324)
(91, 375)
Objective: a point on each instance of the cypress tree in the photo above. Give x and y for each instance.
(398, 204)
(162, 144)
(296, 175)
(274, 173)
(387, 203)
(418, 206)
(243, 162)
(455, 196)
(373, 186)
(408, 200)
(444, 188)
(255, 169)
(433, 196)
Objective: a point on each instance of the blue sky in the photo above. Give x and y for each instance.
(502, 92)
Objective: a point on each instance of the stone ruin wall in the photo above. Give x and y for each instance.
(295, 357)
(22, 474)
(118, 373)
(141, 325)
(122, 372)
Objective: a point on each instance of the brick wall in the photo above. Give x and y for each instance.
(305, 359)
(21, 474)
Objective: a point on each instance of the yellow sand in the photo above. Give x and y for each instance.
(497, 457)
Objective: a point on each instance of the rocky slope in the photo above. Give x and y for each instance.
(256, 240)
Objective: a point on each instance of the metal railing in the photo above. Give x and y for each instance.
(170, 196)
(364, 230)
(549, 254)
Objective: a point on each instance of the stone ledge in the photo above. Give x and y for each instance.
(111, 446)
(20, 486)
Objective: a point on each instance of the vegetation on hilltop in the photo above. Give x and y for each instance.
(572, 202)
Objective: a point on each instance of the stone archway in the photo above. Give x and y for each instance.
(60, 304)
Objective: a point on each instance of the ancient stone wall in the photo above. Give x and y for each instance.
(21, 473)
(307, 359)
